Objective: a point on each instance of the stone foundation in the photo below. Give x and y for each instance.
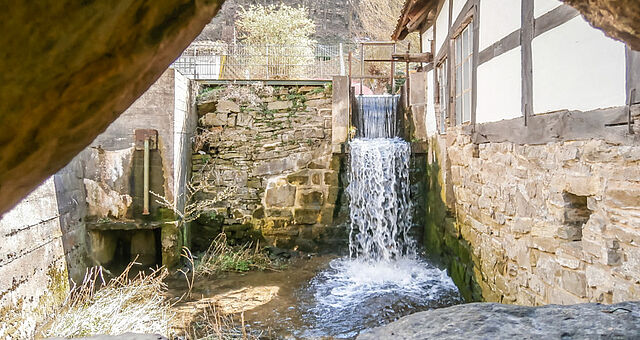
(536, 224)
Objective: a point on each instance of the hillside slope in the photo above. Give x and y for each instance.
(336, 20)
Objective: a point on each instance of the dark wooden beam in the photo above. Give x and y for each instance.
(553, 18)
(526, 37)
(425, 57)
(501, 46)
(603, 124)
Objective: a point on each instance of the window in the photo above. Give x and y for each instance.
(442, 96)
(463, 63)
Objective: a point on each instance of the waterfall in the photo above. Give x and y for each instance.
(378, 189)
(376, 116)
(383, 277)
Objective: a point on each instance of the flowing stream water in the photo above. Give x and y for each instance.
(383, 278)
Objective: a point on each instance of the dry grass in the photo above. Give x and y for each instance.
(220, 257)
(212, 324)
(119, 306)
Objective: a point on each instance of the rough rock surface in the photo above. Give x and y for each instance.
(274, 154)
(497, 321)
(69, 68)
(620, 19)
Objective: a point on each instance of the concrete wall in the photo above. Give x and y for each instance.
(114, 166)
(43, 246)
(45, 238)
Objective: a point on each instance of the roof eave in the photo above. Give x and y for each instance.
(414, 13)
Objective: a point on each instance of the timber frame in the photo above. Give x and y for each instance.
(420, 15)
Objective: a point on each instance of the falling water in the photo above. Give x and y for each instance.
(380, 209)
(377, 116)
(383, 278)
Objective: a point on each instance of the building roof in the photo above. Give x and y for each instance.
(414, 14)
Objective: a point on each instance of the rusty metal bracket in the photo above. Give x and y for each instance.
(146, 134)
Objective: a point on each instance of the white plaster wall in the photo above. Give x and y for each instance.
(430, 111)
(499, 88)
(541, 7)
(498, 18)
(427, 37)
(575, 67)
(457, 8)
(442, 26)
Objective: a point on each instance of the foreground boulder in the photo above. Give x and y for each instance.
(69, 68)
(497, 321)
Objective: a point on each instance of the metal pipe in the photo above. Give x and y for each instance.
(145, 209)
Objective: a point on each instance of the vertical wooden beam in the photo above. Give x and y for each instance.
(451, 68)
(632, 59)
(526, 37)
(474, 61)
(393, 71)
(361, 67)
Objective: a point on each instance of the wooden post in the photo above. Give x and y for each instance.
(407, 81)
(361, 67)
(393, 72)
(342, 70)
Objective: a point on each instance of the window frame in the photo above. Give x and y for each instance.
(461, 103)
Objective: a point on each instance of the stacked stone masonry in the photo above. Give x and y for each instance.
(270, 148)
(553, 223)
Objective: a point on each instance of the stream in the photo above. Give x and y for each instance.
(382, 279)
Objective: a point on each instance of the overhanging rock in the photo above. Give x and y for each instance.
(69, 68)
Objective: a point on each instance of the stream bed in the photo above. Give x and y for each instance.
(325, 296)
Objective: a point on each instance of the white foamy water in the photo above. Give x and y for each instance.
(379, 208)
(383, 278)
(354, 294)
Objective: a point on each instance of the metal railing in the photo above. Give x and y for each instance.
(221, 61)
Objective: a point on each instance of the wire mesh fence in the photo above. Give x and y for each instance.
(220, 61)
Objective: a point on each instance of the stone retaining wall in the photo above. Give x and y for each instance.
(537, 224)
(271, 150)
